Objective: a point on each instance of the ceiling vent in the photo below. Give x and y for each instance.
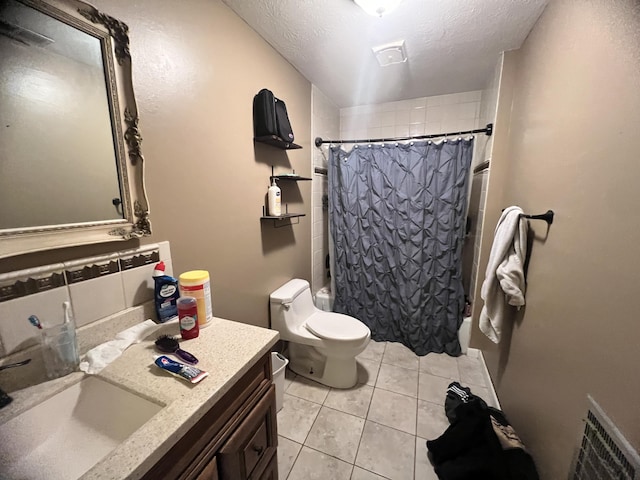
(390, 54)
(378, 8)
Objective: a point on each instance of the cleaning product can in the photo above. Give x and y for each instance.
(188, 315)
(196, 284)
(166, 294)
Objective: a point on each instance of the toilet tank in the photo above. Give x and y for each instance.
(291, 304)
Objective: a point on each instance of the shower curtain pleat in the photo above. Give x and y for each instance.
(397, 217)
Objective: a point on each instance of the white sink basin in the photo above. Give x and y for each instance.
(67, 434)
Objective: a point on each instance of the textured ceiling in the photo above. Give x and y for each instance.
(452, 45)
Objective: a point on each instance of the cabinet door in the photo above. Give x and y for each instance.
(210, 472)
(255, 440)
(269, 473)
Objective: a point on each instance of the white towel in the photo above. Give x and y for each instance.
(99, 357)
(504, 282)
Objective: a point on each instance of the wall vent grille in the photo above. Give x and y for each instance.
(603, 452)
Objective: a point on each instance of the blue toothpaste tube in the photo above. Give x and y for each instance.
(188, 372)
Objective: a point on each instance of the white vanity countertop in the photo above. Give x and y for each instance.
(225, 349)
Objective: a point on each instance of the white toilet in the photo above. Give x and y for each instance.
(322, 345)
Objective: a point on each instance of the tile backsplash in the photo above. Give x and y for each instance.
(98, 287)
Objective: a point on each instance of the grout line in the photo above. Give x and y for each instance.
(399, 393)
(329, 455)
(392, 428)
(294, 460)
(367, 470)
(315, 419)
(342, 411)
(415, 448)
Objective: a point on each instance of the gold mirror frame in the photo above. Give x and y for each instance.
(114, 38)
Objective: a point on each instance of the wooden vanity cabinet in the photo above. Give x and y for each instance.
(235, 440)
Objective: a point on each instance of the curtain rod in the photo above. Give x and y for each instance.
(488, 130)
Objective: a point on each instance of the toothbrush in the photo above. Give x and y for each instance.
(35, 321)
(68, 313)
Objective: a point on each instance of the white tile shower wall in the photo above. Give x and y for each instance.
(325, 123)
(484, 149)
(488, 108)
(320, 233)
(477, 276)
(418, 116)
(92, 299)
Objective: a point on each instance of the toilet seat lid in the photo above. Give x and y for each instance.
(336, 326)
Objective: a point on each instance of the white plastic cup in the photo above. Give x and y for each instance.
(59, 350)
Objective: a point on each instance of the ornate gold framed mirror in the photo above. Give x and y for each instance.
(71, 166)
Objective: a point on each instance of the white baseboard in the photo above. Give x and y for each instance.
(488, 380)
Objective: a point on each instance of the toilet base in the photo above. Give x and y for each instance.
(333, 372)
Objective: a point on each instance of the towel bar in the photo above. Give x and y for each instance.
(547, 216)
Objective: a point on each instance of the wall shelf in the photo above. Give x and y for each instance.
(284, 216)
(279, 221)
(291, 177)
(277, 142)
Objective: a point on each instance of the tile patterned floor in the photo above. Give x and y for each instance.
(378, 428)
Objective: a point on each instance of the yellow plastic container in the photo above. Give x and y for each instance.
(196, 284)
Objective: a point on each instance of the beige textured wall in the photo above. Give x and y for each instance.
(196, 68)
(572, 146)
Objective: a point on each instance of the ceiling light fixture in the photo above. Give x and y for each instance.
(377, 8)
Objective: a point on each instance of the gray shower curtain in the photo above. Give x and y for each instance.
(397, 217)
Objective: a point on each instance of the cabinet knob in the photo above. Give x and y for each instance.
(258, 449)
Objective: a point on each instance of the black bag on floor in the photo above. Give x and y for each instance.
(270, 116)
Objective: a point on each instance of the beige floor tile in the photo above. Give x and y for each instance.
(485, 394)
(471, 371)
(424, 469)
(393, 410)
(367, 371)
(400, 356)
(373, 352)
(287, 453)
(432, 421)
(387, 452)
(296, 418)
(336, 433)
(362, 474)
(398, 380)
(440, 364)
(433, 388)
(289, 376)
(308, 389)
(314, 465)
(355, 400)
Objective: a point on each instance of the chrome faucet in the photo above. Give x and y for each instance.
(4, 398)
